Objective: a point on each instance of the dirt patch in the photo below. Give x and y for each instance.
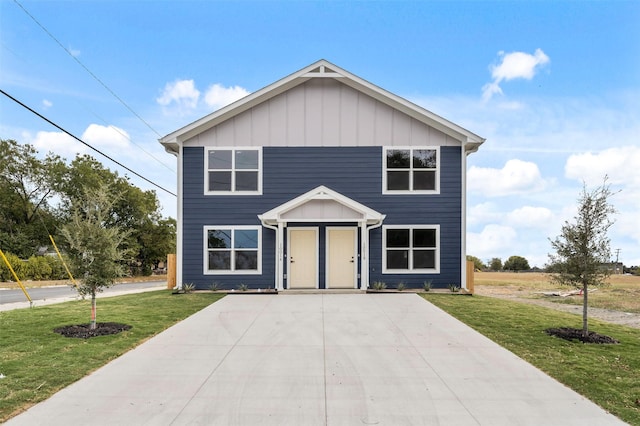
(82, 331)
(523, 295)
(571, 334)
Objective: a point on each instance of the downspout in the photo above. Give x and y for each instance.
(278, 253)
(365, 252)
(179, 225)
(463, 220)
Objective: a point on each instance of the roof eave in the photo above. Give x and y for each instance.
(172, 140)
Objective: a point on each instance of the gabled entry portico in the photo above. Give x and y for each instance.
(345, 222)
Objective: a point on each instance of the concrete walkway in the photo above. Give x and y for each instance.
(319, 359)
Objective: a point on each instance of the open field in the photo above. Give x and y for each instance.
(621, 294)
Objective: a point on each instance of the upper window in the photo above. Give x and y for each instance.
(411, 170)
(411, 249)
(232, 249)
(233, 171)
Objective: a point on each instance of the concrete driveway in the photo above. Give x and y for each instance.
(318, 359)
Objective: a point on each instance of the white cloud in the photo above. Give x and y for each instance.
(218, 96)
(492, 241)
(74, 52)
(101, 137)
(620, 164)
(181, 96)
(58, 143)
(516, 177)
(513, 65)
(483, 213)
(530, 217)
(46, 103)
(106, 136)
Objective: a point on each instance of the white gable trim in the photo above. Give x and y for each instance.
(363, 213)
(322, 69)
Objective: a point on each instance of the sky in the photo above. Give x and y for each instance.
(553, 86)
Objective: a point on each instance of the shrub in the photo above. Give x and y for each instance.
(17, 265)
(243, 287)
(214, 286)
(57, 268)
(426, 286)
(379, 285)
(401, 286)
(37, 268)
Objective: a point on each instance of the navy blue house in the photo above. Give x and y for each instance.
(321, 180)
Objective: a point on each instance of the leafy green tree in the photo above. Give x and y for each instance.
(150, 236)
(495, 264)
(582, 250)
(29, 186)
(27, 183)
(516, 263)
(477, 263)
(96, 250)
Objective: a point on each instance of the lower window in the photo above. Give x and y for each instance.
(411, 248)
(232, 249)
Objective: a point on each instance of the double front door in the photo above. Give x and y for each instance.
(303, 260)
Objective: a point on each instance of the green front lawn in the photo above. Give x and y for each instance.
(37, 362)
(608, 375)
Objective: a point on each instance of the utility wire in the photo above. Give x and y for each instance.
(87, 69)
(124, 134)
(84, 143)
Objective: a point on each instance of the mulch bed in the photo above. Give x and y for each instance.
(571, 334)
(82, 331)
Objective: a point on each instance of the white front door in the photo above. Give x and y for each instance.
(341, 257)
(302, 259)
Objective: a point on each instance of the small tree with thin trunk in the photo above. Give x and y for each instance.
(583, 249)
(95, 250)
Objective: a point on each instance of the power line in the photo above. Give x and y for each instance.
(87, 69)
(84, 143)
(90, 110)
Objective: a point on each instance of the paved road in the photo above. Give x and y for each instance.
(63, 291)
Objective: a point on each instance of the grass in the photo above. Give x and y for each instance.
(38, 362)
(621, 294)
(608, 375)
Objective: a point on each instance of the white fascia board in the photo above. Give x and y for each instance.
(274, 215)
(244, 104)
(171, 140)
(415, 111)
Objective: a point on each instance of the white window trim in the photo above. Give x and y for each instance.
(233, 170)
(385, 191)
(385, 270)
(232, 271)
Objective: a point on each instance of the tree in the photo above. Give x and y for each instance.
(495, 264)
(26, 185)
(96, 250)
(151, 237)
(516, 263)
(582, 250)
(477, 263)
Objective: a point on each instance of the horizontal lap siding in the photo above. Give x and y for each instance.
(355, 172)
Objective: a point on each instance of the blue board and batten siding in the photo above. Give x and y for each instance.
(355, 172)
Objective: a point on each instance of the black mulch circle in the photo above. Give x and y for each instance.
(568, 333)
(82, 331)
